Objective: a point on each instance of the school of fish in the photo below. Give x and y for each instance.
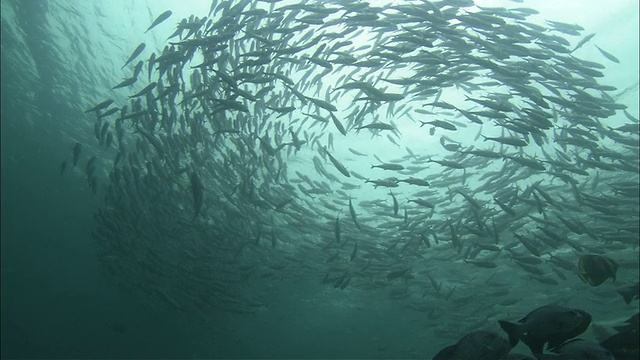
(232, 159)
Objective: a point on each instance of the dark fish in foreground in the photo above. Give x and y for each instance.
(626, 343)
(477, 345)
(197, 191)
(595, 269)
(623, 346)
(578, 349)
(632, 324)
(550, 324)
(629, 293)
(162, 17)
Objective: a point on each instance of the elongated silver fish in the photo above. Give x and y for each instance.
(162, 17)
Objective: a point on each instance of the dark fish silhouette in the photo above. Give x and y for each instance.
(135, 54)
(100, 106)
(162, 17)
(550, 324)
(579, 349)
(629, 293)
(626, 343)
(595, 269)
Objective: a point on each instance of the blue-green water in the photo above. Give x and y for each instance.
(259, 273)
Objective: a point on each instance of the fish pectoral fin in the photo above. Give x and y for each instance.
(535, 345)
(585, 278)
(514, 331)
(553, 343)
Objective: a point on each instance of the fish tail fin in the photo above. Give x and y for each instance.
(514, 331)
(372, 166)
(485, 138)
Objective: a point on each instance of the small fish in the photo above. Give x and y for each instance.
(162, 17)
(513, 141)
(126, 82)
(583, 41)
(415, 181)
(338, 124)
(389, 182)
(395, 204)
(197, 192)
(352, 211)
(422, 202)
(595, 269)
(135, 54)
(397, 274)
(138, 69)
(336, 229)
(337, 164)
(151, 62)
(109, 112)
(102, 105)
(425, 239)
(282, 204)
(388, 166)
(376, 126)
(608, 56)
(481, 263)
(354, 252)
(144, 91)
(355, 152)
(441, 124)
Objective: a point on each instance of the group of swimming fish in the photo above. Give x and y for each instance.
(556, 326)
(235, 165)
